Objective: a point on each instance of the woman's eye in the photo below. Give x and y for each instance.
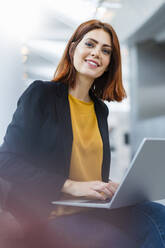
(106, 51)
(89, 44)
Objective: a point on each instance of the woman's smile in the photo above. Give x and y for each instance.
(92, 64)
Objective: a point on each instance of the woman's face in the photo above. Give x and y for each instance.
(92, 54)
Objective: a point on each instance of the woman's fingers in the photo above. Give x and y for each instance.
(107, 192)
(114, 184)
(103, 188)
(112, 189)
(109, 189)
(99, 195)
(93, 194)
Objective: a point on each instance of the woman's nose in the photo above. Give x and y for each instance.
(95, 52)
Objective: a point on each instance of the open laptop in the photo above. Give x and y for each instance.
(144, 179)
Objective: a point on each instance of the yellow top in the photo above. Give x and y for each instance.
(87, 148)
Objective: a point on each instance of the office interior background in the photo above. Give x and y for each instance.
(33, 35)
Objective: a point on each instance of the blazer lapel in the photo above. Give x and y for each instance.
(64, 117)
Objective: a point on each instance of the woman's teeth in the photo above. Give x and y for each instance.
(92, 63)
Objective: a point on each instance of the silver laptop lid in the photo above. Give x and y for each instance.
(145, 177)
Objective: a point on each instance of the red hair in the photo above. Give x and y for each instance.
(109, 85)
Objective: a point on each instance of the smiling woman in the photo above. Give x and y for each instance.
(57, 146)
(91, 58)
(98, 42)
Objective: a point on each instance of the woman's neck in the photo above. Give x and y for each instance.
(81, 90)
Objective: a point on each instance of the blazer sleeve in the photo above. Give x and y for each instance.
(33, 184)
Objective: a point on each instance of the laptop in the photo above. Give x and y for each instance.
(144, 179)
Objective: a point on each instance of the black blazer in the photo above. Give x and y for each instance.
(35, 155)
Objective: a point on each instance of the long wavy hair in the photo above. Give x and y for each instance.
(109, 85)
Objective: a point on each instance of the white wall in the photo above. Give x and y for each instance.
(11, 78)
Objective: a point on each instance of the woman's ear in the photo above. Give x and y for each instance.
(71, 50)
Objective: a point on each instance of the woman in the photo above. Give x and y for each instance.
(57, 145)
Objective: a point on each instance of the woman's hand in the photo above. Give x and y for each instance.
(92, 189)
